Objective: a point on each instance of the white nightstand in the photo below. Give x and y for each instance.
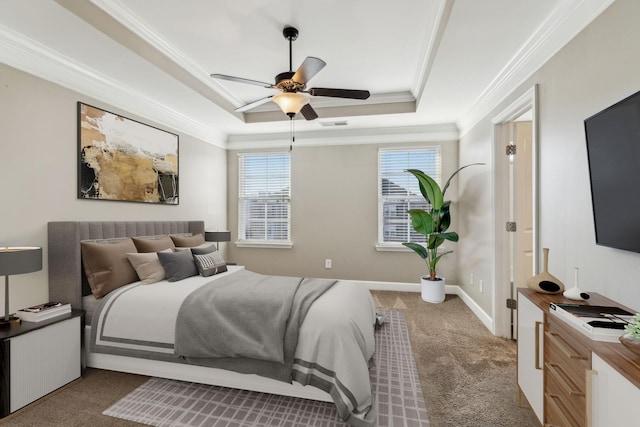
(37, 358)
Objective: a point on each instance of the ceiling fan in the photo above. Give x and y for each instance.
(292, 85)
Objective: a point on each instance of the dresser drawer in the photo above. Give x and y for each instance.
(556, 414)
(567, 358)
(566, 397)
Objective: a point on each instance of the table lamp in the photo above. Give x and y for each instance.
(217, 236)
(17, 260)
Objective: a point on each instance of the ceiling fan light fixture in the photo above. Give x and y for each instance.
(290, 102)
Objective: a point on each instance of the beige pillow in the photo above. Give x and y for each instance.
(188, 241)
(107, 266)
(153, 244)
(148, 266)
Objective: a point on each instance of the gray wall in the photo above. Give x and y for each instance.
(334, 216)
(596, 69)
(38, 153)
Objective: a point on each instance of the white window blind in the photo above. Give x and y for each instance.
(398, 191)
(264, 210)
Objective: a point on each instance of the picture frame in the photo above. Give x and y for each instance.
(122, 159)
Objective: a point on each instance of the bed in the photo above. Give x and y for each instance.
(145, 329)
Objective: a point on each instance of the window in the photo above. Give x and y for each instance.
(398, 191)
(264, 198)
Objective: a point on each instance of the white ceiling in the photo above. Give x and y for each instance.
(430, 65)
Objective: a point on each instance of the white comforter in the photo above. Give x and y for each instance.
(335, 343)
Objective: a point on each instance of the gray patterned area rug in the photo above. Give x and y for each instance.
(394, 377)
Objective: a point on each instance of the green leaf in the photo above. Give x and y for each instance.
(421, 221)
(417, 248)
(446, 185)
(429, 188)
(434, 262)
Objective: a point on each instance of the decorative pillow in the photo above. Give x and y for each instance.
(187, 241)
(210, 264)
(153, 245)
(106, 265)
(204, 249)
(148, 266)
(177, 265)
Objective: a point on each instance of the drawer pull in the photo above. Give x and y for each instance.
(563, 379)
(563, 347)
(537, 332)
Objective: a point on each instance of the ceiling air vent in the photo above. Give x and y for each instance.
(332, 124)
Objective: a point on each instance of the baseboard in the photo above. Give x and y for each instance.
(482, 315)
(486, 320)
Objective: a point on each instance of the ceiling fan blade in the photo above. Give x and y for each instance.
(253, 104)
(308, 112)
(241, 80)
(339, 93)
(309, 68)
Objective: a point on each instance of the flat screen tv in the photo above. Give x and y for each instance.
(613, 150)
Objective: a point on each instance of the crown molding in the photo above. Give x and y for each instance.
(389, 135)
(27, 55)
(567, 19)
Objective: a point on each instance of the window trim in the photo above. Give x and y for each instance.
(255, 243)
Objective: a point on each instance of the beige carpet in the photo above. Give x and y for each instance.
(468, 376)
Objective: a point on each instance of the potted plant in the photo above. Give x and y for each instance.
(432, 223)
(631, 339)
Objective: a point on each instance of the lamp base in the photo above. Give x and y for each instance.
(4, 323)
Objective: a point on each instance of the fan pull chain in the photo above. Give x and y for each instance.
(293, 137)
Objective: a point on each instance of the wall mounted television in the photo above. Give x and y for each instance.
(613, 151)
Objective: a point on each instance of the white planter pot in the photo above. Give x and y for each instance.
(432, 290)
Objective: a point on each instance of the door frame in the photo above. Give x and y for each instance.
(527, 101)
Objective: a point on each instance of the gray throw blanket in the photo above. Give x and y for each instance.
(246, 315)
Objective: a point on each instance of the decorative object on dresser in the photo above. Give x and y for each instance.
(433, 223)
(122, 159)
(575, 292)
(217, 236)
(41, 312)
(17, 260)
(600, 323)
(545, 282)
(631, 339)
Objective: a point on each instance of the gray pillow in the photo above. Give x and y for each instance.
(204, 249)
(178, 265)
(210, 264)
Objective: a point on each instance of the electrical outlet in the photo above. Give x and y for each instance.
(480, 285)
(471, 279)
(327, 263)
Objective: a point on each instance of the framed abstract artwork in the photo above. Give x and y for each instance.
(122, 159)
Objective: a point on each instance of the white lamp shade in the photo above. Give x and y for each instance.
(290, 102)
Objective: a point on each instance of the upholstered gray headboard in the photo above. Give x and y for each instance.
(65, 262)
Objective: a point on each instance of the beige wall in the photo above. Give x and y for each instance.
(596, 69)
(38, 154)
(334, 216)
